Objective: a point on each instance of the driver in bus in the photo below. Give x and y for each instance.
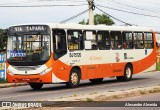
(36, 42)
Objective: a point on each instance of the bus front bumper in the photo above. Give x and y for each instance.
(47, 78)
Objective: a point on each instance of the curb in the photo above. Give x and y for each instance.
(96, 97)
(5, 85)
(111, 95)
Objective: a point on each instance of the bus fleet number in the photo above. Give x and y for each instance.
(75, 55)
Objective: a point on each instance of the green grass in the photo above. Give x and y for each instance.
(158, 66)
(89, 99)
(115, 96)
(142, 92)
(92, 93)
(3, 81)
(75, 94)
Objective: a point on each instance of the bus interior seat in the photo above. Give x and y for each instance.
(94, 47)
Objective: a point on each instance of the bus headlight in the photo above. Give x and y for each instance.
(10, 72)
(46, 71)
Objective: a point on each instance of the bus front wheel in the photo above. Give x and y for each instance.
(98, 80)
(128, 71)
(74, 79)
(36, 86)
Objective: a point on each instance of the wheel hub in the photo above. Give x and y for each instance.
(128, 72)
(74, 78)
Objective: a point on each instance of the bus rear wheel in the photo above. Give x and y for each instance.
(98, 80)
(74, 79)
(36, 86)
(128, 71)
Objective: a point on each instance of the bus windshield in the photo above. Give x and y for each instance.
(28, 48)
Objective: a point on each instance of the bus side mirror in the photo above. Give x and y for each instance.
(88, 45)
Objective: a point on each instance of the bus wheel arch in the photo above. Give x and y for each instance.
(74, 77)
(128, 72)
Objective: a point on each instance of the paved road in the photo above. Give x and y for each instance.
(149, 97)
(54, 91)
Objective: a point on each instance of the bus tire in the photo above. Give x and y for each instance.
(128, 71)
(74, 78)
(98, 80)
(36, 86)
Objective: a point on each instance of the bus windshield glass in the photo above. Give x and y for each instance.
(28, 48)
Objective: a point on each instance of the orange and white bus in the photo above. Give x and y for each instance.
(67, 53)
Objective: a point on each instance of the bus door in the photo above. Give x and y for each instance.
(59, 43)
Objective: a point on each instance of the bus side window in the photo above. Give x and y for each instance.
(75, 40)
(91, 36)
(138, 40)
(127, 40)
(116, 40)
(103, 40)
(59, 43)
(148, 40)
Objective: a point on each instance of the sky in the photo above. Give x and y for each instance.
(150, 9)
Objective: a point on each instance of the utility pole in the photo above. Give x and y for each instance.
(91, 14)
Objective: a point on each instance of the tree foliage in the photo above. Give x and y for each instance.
(3, 40)
(82, 22)
(99, 19)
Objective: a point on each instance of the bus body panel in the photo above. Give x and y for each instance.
(47, 78)
(92, 63)
(97, 65)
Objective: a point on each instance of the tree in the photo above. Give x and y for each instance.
(99, 19)
(3, 40)
(82, 22)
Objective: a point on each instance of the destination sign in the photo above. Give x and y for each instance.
(29, 28)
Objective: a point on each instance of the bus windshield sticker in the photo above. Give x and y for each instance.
(87, 44)
(17, 53)
(89, 35)
(75, 34)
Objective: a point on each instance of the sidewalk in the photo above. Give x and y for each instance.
(5, 85)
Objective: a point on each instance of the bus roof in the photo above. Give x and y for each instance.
(94, 27)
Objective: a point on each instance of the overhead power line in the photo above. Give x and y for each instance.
(43, 1)
(62, 0)
(141, 2)
(128, 6)
(129, 12)
(15, 3)
(70, 18)
(40, 5)
(114, 17)
(132, 6)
